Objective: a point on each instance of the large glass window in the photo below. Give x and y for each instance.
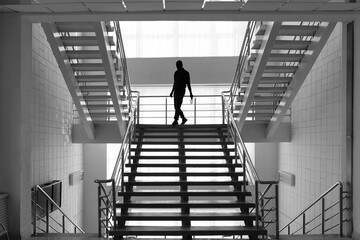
(182, 39)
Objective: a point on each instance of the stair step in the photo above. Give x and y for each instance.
(183, 183)
(275, 69)
(186, 136)
(96, 98)
(79, 27)
(88, 67)
(183, 157)
(209, 193)
(182, 149)
(297, 30)
(99, 106)
(163, 230)
(185, 142)
(189, 217)
(178, 165)
(260, 114)
(190, 204)
(263, 107)
(189, 174)
(270, 80)
(283, 45)
(84, 41)
(86, 54)
(188, 126)
(91, 78)
(278, 57)
(267, 89)
(94, 88)
(267, 99)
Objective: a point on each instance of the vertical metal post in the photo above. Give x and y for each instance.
(114, 202)
(47, 216)
(166, 107)
(304, 224)
(107, 216)
(341, 210)
(138, 110)
(322, 215)
(63, 224)
(35, 209)
(244, 170)
(195, 111)
(277, 210)
(122, 169)
(223, 108)
(288, 230)
(74, 229)
(99, 211)
(257, 203)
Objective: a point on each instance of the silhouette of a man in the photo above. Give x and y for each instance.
(181, 80)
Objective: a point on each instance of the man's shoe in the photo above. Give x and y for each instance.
(174, 123)
(184, 121)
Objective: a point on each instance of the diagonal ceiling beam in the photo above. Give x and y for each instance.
(63, 61)
(257, 72)
(320, 39)
(108, 63)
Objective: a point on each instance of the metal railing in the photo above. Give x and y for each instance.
(160, 109)
(266, 201)
(107, 194)
(322, 219)
(48, 224)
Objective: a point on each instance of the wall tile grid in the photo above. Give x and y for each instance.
(53, 155)
(313, 155)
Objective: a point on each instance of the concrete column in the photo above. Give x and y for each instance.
(15, 121)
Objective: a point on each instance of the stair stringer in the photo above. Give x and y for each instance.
(303, 70)
(104, 47)
(258, 69)
(68, 74)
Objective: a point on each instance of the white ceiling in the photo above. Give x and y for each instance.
(171, 9)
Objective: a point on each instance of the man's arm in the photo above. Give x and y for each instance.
(173, 88)
(189, 86)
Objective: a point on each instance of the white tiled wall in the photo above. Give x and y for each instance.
(53, 155)
(313, 154)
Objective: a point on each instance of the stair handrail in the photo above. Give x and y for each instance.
(251, 178)
(342, 195)
(243, 56)
(37, 189)
(121, 51)
(117, 176)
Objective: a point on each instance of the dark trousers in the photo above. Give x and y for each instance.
(178, 99)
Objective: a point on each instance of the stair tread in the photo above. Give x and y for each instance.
(174, 230)
(183, 149)
(191, 216)
(185, 193)
(181, 136)
(183, 157)
(157, 126)
(177, 165)
(176, 183)
(182, 142)
(178, 204)
(185, 174)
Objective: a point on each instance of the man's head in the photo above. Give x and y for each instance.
(179, 64)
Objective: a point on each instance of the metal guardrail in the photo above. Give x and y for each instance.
(266, 201)
(49, 200)
(107, 195)
(339, 203)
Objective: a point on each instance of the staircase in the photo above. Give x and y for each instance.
(91, 58)
(184, 182)
(278, 59)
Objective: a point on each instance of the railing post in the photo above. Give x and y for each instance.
(99, 211)
(35, 209)
(63, 224)
(114, 202)
(244, 170)
(195, 111)
(138, 109)
(257, 203)
(166, 107)
(47, 216)
(288, 229)
(277, 210)
(341, 210)
(304, 224)
(223, 108)
(322, 215)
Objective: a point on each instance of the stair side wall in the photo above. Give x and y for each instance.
(314, 153)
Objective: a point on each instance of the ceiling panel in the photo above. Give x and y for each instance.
(106, 7)
(57, 1)
(331, 6)
(310, 1)
(144, 5)
(292, 6)
(183, 5)
(223, 6)
(261, 6)
(67, 7)
(28, 8)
